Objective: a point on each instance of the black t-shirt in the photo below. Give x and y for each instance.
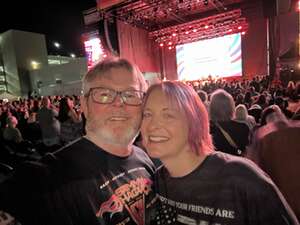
(223, 190)
(239, 133)
(81, 184)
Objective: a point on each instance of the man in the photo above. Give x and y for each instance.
(276, 151)
(50, 126)
(101, 178)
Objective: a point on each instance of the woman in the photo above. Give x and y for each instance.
(241, 115)
(196, 185)
(70, 120)
(229, 136)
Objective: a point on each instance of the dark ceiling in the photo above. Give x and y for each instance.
(157, 14)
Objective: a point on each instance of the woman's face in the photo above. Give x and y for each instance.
(164, 127)
(70, 103)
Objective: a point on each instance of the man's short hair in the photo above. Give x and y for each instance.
(105, 66)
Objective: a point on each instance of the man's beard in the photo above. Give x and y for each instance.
(108, 136)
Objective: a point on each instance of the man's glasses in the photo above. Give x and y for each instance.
(107, 96)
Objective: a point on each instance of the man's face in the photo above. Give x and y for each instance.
(115, 123)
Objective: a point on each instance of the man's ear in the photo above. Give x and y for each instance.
(83, 105)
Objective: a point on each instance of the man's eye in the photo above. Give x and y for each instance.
(130, 95)
(146, 114)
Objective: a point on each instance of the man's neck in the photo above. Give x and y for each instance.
(114, 149)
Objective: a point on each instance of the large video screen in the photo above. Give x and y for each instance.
(217, 57)
(94, 51)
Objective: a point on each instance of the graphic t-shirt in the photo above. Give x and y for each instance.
(223, 190)
(81, 184)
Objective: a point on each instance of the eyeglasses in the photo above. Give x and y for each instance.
(107, 96)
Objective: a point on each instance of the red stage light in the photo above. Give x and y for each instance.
(206, 27)
(243, 33)
(230, 30)
(194, 30)
(170, 43)
(186, 32)
(161, 44)
(240, 27)
(174, 34)
(298, 5)
(170, 47)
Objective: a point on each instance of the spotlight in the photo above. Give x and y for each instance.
(161, 44)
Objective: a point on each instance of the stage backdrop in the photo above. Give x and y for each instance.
(135, 45)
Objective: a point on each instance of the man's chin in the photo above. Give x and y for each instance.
(119, 138)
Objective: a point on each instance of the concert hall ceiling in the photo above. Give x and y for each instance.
(158, 14)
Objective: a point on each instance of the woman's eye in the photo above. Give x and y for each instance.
(169, 116)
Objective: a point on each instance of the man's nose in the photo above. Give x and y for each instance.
(118, 101)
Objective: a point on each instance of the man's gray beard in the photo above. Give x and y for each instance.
(121, 140)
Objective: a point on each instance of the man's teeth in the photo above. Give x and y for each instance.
(118, 118)
(158, 139)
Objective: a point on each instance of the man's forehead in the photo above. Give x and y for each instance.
(118, 76)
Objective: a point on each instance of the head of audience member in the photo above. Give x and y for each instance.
(221, 106)
(11, 121)
(45, 102)
(175, 122)
(248, 98)
(203, 96)
(281, 102)
(113, 92)
(291, 86)
(272, 114)
(65, 105)
(241, 112)
(261, 100)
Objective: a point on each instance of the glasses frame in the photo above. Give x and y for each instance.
(117, 93)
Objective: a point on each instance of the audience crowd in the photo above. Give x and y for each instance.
(254, 118)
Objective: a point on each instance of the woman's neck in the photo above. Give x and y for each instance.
(184, 163)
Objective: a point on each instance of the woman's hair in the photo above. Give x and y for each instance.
(221, 107)
(187, 101)
(241, 112)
